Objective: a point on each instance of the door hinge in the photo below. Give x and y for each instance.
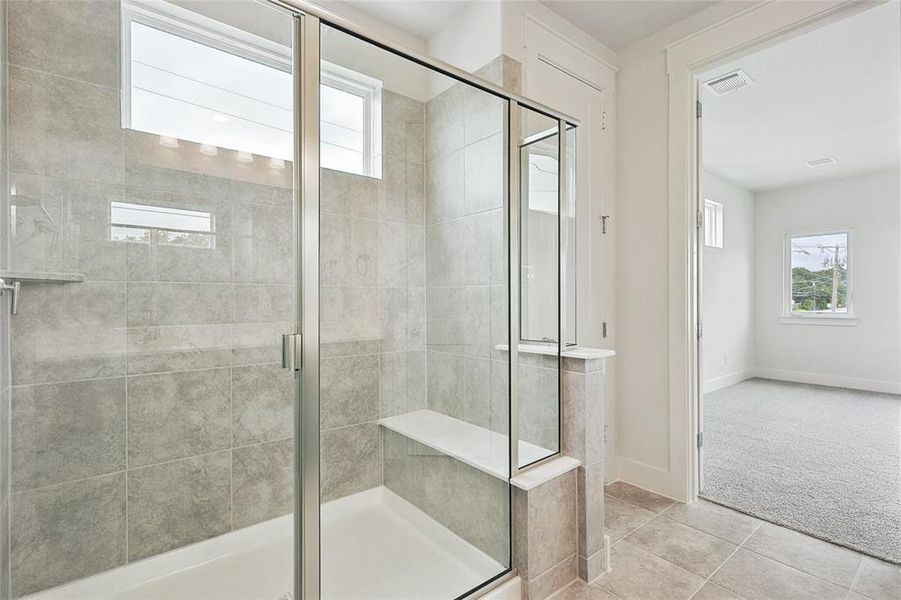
(604, 220)
(700, 329)
(700, 439)
(292, 351)
(698, 109)
(604, 120)
(699, 220)
(604, 329)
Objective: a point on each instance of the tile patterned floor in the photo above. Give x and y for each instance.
(665, 550)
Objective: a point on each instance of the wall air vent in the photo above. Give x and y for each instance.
(723, 84)
(819, 162)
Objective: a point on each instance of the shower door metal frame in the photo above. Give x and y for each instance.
(308, 20)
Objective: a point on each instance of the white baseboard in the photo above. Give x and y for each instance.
(719, 383)
(643, 475)
(854, 383)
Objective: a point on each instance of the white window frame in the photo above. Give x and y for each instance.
(821, 317)
(190, 25)
(715, 227)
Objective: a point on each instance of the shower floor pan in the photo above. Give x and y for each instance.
(374, 545)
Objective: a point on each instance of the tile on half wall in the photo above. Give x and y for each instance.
(756, 577)
(638, 496)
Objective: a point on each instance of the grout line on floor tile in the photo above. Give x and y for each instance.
(856, 576)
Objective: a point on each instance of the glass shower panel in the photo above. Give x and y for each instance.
(540, 229)
(414, 389)
(151, 223)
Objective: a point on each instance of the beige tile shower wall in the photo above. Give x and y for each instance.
(372, 257)
(465, 312)
(149, 410)
(466, 294)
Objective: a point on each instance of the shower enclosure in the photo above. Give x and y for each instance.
(268, 337)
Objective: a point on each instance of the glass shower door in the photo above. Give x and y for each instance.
(150, 165)
(414, 473)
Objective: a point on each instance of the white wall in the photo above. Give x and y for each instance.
(728, 288)
(868, 355)
(643, 419)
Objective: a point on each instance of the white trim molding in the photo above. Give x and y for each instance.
(724, 381)
(762, 24)
(825, 379)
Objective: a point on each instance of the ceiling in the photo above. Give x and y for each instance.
(831, 92)
(618, 23)
(421, 19)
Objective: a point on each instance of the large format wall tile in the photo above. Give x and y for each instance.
(350, 460)
(349, 251)
(178, 303)
(178, 348)
(263, 482)
(67, 431)
(65, 532)
(178, 503)
(69, 332)
(174, 415)
(64, 225)
(472, 504)
(79, 40)
(64, 128)
(262, 403)
(349, 314)
(349, 390)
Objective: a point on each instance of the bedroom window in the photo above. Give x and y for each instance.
(189, 77)
(713, 224)
(818, 274)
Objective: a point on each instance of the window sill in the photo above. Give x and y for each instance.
(828, 320)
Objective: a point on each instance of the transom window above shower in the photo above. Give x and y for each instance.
(191, 77)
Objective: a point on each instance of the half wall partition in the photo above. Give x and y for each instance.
(270, 337)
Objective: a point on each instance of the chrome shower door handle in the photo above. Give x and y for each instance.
(292, 359)
(13, 288)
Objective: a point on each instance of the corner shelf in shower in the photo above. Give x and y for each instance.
(475, 446)
(41, 276)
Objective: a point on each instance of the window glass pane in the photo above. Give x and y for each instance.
(342, 130)
(185, 89)
(191, 91)
(819, 273)
(713, 224)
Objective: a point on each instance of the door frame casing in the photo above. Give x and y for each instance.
(757, 27)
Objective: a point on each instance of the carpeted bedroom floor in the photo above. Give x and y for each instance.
(823, 461)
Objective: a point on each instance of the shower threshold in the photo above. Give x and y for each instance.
(375, 545)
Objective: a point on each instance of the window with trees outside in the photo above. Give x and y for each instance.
(819, 274)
